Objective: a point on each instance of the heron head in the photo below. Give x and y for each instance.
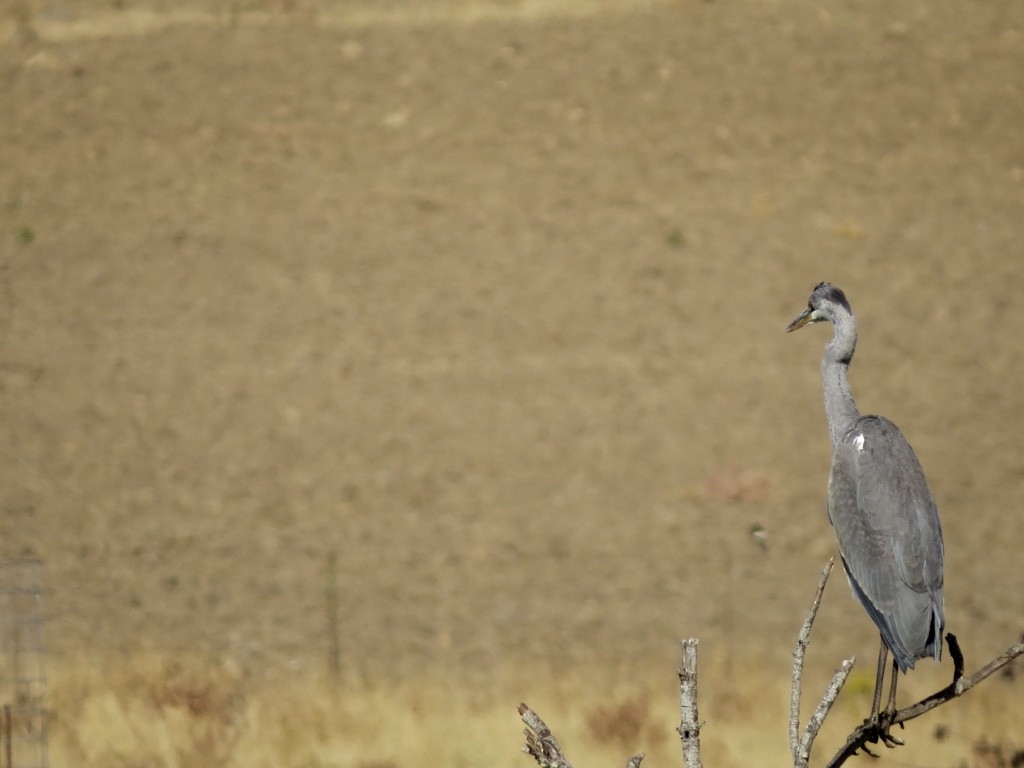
(825, 300)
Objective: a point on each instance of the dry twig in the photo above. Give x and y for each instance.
(540, 742)
(542, 746)
(689, 725)
(800, 744)
(803, 640)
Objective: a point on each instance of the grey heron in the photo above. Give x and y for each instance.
(882, 510)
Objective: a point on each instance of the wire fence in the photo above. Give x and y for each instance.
(23, 713)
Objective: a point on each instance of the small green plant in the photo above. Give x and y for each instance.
(675, 238)
(26, 235)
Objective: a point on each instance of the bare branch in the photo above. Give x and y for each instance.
(803, 640)
(540, 742)
(542, 746)
(689, 725)
(818, 718)
(868, 732)
(801, 744)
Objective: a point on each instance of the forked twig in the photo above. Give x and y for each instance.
(800, 744)
(802, 641)
(542, 746)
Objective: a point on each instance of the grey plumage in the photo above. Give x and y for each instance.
(879, 503)
(889, 537)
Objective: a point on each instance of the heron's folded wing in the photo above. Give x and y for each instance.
(888, 531)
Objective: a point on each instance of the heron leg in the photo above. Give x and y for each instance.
(883, 720)
(876, 701)
(890, 708)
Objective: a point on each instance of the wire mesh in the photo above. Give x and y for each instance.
(23, 717)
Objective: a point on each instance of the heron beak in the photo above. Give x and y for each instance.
(802, 319)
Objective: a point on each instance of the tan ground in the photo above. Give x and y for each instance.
(486, 300)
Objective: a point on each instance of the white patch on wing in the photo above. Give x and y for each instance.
(858, 441)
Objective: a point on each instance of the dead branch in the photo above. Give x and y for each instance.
(868, 732)
(800, 745)
(542, 746)
(540, 742)
(802, 641)
(689, 725)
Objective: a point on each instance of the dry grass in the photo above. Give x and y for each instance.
(99, 20)
(152, 710)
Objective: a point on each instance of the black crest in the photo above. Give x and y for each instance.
(827, 292)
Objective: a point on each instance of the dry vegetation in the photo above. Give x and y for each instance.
(166, 711)
(484, 301)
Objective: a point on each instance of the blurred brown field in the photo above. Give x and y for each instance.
(365, 363)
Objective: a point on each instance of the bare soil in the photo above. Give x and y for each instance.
(486, 302)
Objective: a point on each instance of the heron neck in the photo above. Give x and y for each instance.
(839, 406)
